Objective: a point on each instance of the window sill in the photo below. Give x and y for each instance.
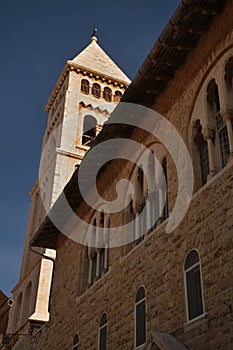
(90, 288)
(140, 347)
(147, 236)
(196, 322)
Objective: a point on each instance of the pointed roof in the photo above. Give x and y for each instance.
(94, 58)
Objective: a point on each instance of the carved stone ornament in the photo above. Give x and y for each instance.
(208, 134)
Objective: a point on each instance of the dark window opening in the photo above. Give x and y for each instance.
(96, 90)
(117, 96)
(103, 333)
(140, 317)
(193, 286)
(85, 86)
(107, 95)
(89, 130)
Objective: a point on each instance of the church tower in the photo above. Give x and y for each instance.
(83, 98)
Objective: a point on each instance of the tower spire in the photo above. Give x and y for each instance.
(93, 37)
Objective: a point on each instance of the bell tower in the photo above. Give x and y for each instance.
(84, 96)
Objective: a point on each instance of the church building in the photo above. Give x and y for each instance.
(155, 272)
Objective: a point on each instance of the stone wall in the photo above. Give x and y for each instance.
(158, 261)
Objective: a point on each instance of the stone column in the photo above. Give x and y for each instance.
(90, 271)
(161, 205)
(209, 135)
(159, 184)
(99, 243)
(137, 226)
(148, 212)
(228, 117)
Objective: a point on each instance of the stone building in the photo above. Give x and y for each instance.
(147, 278)
(83, 98)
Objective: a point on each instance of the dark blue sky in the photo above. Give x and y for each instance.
(37, 37)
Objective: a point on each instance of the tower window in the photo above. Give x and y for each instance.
(103, 333)
(89, 130)
(140, 317)
(75, 342)
(117, 96)
(107, 95)
(96, 90)
(193, 286)
(85, 86)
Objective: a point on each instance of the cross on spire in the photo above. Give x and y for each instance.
(93, 37)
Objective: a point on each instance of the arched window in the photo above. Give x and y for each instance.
(193, 286)
(216, 118)
(96, 90)
(117, 96)
(140, 317)
(102, 343)
(17, 313)
(75, 342)
(98, 257)
(89, 130)
(85, 86)
(107, 95)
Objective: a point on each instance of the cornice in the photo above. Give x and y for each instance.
(69, 67)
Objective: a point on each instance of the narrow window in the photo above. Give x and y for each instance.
(89, 130)
(139, 221)
(221, 131)
(85, 86)
(165, 209)
(75, 342)
(117, 96)
(193, 286)
(96, 90)
(140, 317)
(107, 95)
(103, 333)
(215, 118)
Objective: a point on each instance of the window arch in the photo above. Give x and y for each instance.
(85, 86)
(102, 343)
(89, 130)
(98, 257)
(107, 94)
(75, 342)
(117, 96)
(193, 286)
(96, 90)
(140, 317)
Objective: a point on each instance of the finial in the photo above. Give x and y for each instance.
(93, 37)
